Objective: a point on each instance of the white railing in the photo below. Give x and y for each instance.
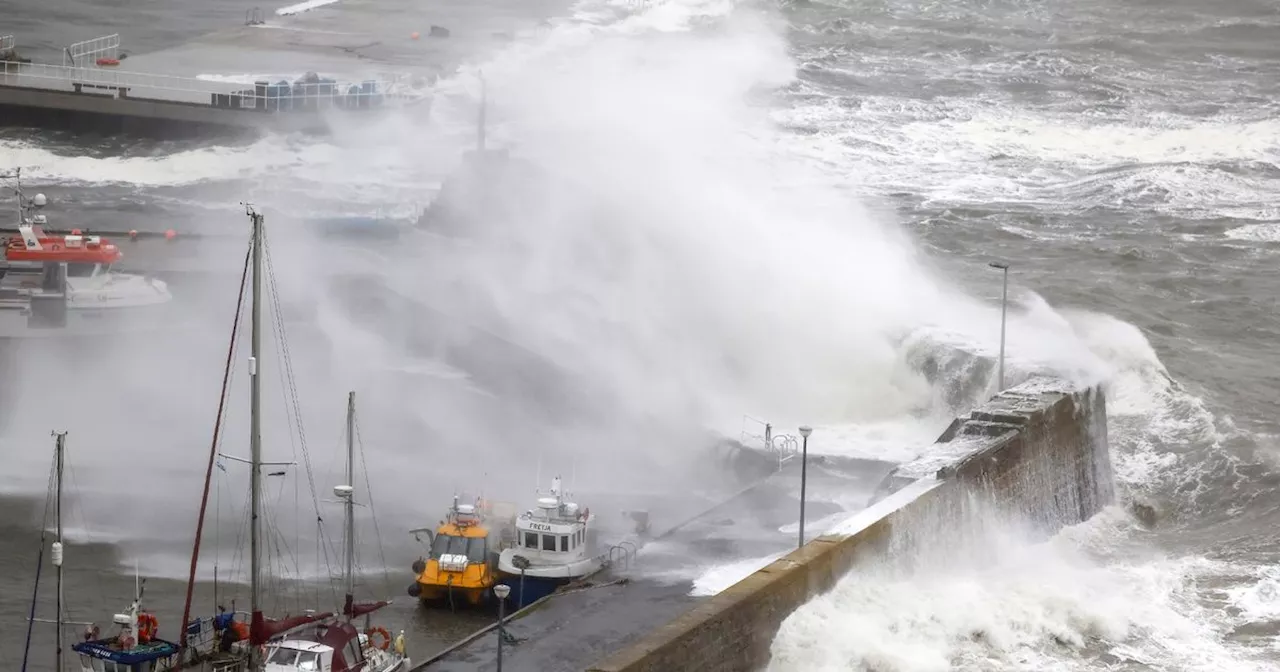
(6, 42)
(274, 97)
(83, 54)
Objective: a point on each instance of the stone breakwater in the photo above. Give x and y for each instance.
(1035, 457)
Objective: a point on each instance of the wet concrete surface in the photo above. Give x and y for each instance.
(352, 39)
(576, 628)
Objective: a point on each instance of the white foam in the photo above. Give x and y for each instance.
(1259, 601)
(718, 578)
(303, 7)
(1039, 606)
(1262, 233)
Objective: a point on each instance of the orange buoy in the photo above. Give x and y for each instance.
(413, 35)
(108, 61)
(168, 235)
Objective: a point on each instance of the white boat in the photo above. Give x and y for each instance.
(555, 545)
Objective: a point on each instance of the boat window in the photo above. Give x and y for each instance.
(448, 544)
(282, 656)
(530, 540)
(477, 549)
(80, 270)
(309, 660)
(353, 654)
(564, 542)
(548, 542)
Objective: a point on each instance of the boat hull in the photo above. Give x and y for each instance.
(532, 589)
(434, 594)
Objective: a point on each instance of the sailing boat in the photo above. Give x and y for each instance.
(340, 642)
(310, 642)
(135, 647)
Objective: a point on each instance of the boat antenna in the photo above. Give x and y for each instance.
(255, 443)
(480, 121)
(350, 550)
(60, 439)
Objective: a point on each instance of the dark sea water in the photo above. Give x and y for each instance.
(788, 190)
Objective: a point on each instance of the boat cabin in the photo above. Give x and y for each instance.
(460, 540)
(294, 655)
(554, 532)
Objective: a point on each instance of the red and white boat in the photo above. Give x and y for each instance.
(58, 281)
(90, 282)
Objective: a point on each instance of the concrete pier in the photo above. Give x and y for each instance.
(371, 57)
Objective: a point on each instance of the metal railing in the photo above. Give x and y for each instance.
(783, 446)
(81, 54)
(271, 97)
(624, 551)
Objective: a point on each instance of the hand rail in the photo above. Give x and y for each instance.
(369, 92)
(81, 53)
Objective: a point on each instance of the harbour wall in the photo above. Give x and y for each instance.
(1035, 456)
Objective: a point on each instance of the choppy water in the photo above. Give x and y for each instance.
(791, 189)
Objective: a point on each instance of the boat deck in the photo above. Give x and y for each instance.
(575, 628)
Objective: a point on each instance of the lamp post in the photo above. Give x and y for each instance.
(1004, 305)
(805, 431)
(502, 590)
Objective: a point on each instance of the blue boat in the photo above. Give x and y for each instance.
(554, 546)
(158, 654)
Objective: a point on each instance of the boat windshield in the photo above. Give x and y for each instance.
(447, 544)
(300, 660)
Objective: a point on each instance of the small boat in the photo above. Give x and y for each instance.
(461, 564)
(554, 545)
(135, 647)
(73, 268)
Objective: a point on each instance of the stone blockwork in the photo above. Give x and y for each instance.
(1036, 455)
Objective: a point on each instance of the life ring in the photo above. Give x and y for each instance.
(386, 637)
(108, 61)
(148, 626)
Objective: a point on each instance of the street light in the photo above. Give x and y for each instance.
(502, 590)
(805, 431)
(1004, 305)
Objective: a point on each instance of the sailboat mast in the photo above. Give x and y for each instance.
(255, 436)
(57, 554)
(480, 121)
(350, 503)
